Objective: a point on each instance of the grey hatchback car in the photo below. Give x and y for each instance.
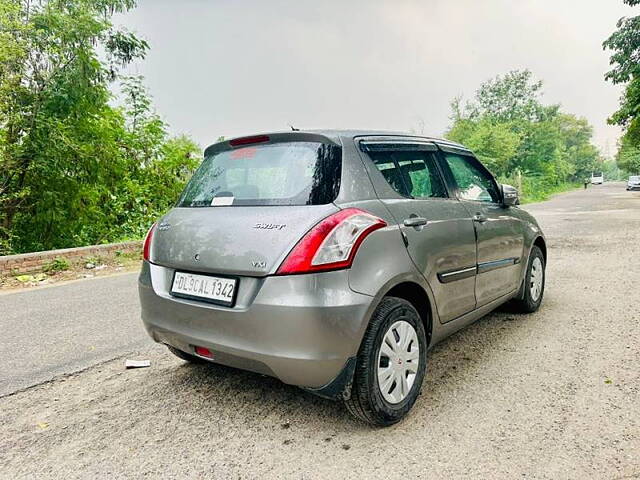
(333, 260)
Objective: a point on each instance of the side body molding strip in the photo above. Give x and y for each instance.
(453, 275)
(489, 266)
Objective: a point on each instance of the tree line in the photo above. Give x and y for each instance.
(520, 139)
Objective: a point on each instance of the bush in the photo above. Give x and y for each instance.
(59, 264)
(536, 188)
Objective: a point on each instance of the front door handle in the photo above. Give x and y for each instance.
(414, 222)
(480, 218)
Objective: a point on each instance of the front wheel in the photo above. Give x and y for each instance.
(532, 291)
(391, 364)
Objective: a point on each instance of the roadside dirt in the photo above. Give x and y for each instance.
(555, 394)
(78, 271)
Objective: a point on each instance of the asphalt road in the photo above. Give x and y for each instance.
(60, 329)
(555, 394)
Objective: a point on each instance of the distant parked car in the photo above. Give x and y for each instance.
(333, 260)
(634, 182)
(597, 178)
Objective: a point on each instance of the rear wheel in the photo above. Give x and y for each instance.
(532, 292)
(391, 364)
(185, 356)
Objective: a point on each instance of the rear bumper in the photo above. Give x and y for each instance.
(302, 329)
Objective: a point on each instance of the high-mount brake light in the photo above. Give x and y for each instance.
(331, 244)
(237, 142)
(146, 250)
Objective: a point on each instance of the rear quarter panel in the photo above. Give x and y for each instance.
(382, 262)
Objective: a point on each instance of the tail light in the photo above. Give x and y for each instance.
(331, 244)
(146, 249)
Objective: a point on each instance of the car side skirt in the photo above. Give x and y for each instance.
(443, 330)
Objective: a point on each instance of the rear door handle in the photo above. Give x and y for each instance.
(480, 218)
(414, 222)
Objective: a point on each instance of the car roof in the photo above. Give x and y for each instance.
(343, 134)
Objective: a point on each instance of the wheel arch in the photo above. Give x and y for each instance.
(407, 287)
(542, 245)
(415, 294)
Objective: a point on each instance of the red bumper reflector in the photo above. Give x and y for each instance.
(204, 352)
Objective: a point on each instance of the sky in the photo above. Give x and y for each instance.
(240, 67)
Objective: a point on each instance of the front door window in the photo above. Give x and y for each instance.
(474, 182)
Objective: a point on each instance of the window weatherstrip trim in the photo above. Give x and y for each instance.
(396, 146)
(455, 149)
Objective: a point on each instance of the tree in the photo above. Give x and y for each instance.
(53, 100)
(512, 97)
(628, 158)
(494, 143)
(75, 170)
(577, 149)
(625, 60)
(510, 130)
(157, 167)
(625, 44)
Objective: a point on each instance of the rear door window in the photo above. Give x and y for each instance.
(293, 173)
(411, 174)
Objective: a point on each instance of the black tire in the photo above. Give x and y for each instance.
(366, 402)
(524, 302)
(185, 356)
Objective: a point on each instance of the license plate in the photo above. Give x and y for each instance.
(204, 287)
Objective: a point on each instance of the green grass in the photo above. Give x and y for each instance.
(59, 264)
(540, 193)
(133, 255)
(95, 259)
(536, 188)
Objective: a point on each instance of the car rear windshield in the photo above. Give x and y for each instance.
(293, 173)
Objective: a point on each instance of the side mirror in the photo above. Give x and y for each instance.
(510, 196)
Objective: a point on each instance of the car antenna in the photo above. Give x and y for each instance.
(294, 128)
